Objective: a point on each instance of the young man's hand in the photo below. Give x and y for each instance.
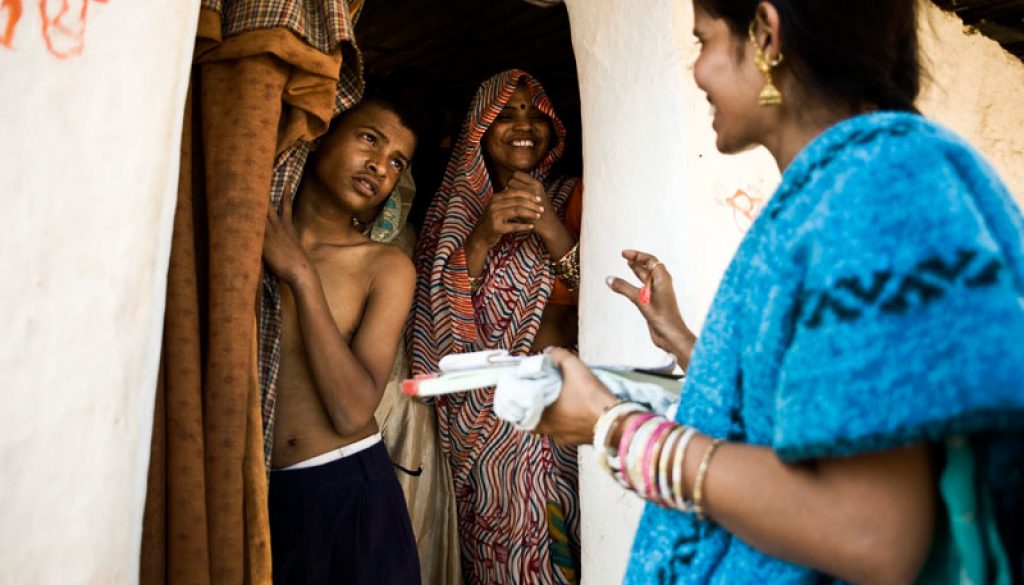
(282, 251)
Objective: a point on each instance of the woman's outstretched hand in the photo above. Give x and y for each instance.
(664, 320)
(570, 419)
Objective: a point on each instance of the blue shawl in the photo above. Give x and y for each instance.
(877, 301)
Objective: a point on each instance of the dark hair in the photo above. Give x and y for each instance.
(392, 97)
(856, 51)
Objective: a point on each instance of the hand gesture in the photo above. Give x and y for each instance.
(548, 223)
(657, 303)
(570, 419)
(282, 250)
(509, 211)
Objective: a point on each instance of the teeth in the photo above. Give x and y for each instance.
(527, 143)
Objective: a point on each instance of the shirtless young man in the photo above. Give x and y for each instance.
(337, 513)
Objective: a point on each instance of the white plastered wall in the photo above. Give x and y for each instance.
(88, 171)
(655, 182)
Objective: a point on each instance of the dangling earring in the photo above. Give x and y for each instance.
(770, 95)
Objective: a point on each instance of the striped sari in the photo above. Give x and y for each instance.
(516, 493)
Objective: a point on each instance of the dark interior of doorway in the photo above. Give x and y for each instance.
(443, 49)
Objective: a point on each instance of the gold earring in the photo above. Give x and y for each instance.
(770, 95)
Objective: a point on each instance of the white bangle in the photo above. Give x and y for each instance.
(664, 459)
(602, 432)
(679, 497)
(632, 465)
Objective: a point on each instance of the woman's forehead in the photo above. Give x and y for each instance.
(520, 99)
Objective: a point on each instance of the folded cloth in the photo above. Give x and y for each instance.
(521, 396)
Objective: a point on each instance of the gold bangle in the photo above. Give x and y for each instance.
(568, 267)
(698, 482)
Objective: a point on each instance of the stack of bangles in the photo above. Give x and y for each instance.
(650, 456)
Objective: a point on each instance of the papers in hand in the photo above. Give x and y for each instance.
(526, 385)
(463, 371)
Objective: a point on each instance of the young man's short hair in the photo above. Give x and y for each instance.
(390, 96)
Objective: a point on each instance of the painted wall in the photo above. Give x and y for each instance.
(89, 136)
(655, 182)
(976, 88)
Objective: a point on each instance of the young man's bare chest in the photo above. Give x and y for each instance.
(303, 427)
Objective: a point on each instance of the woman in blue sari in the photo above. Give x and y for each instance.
(855, 400)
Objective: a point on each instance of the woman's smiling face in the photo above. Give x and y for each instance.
(519, 137)
(725, 71)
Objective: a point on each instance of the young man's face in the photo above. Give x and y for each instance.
(361, 160)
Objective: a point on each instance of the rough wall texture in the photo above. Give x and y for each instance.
(89, 137)
(977, 89)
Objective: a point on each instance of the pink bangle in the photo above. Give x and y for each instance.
(635, 455)
(627, 437)
(654, 444)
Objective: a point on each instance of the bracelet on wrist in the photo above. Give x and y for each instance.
(606, 423)
(567, 267)
(679, 500)
(633, 465)
(698, 482)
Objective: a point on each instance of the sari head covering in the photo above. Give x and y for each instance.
(516, 493)
(517, 279)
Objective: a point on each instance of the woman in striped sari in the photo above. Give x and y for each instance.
(496, 234)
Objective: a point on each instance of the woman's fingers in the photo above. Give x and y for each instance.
(558, 355)
(646, 266)
(625, 289)
(519, 209)
(519, 197)
(509, 222)
(514, 216)
(525, 180)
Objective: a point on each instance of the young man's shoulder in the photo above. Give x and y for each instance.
(389, 257)
(383, 263)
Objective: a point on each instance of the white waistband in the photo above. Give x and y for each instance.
(334, 455)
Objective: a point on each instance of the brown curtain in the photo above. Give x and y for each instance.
(264, 83)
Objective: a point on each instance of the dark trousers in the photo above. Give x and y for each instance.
(341, 523)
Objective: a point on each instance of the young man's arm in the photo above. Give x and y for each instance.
(349, 378)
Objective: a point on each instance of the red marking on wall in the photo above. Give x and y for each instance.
(745, 208)
(63, 26)
(10, 14)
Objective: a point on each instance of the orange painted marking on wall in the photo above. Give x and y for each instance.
(745, 208)
(11, 10)
(63, 24)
